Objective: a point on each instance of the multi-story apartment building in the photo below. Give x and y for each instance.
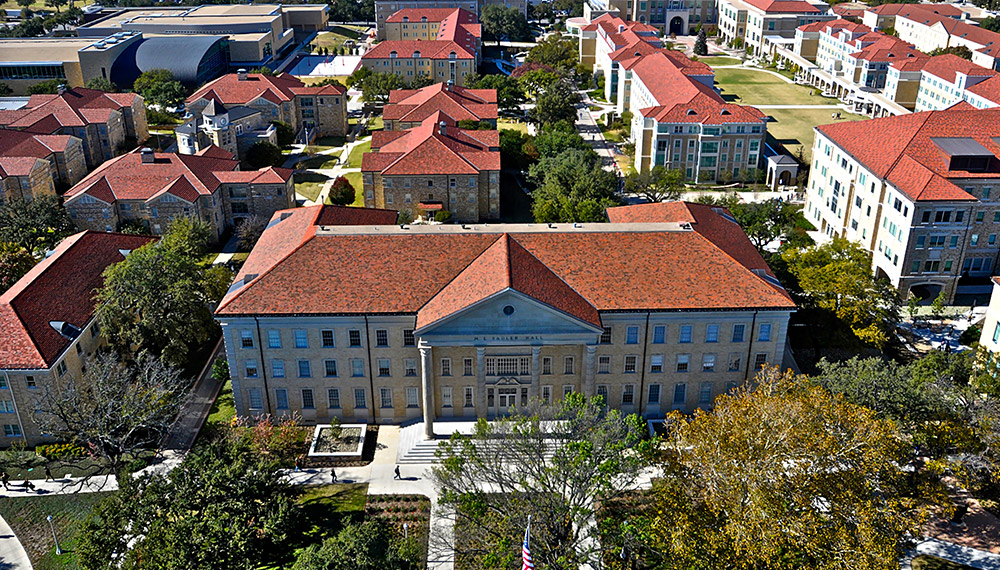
(450, 55)
(920, 191)
(858, 54)
(626, 62)
(945, 80)
(63, 153)
(749, 21)
(310, 111)
(475, 321)
(673, 17)
(432, 24)
(233, 130)
(384, 9)
(933, 26)
(681, 123)
(154, 189)
(883, 16)
(408, 108)
(24, 178)
(609, 40)
(434, 167)
(107, 124)
(48, 325)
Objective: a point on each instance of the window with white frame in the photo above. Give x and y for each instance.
(381, 338)
(333, 398)
(683, 362)
(705, 393)
(301, 340)
(278, 368)
(384, 367)
(246, 338)
(680, 395)
(256, 400)
(330, 368)
(412, 397)
(6, 406)
(408, 338)
(327, 338)
(281, 399)
(250, 366)
(606, 335)
(359, 398)
(712, 333)
(469, 393)
(659, 334)
(739, 331)
(274, 338)
(305, 369)
(602, 391)
(764, 332)
(628, 394)
(685, 334)
(567, 390)
(385, 397)
(568, 365)
(357, 367)
(12, 430)
(708, 363)
(630, 365)
(603, 364)
(546, 395)
(735, 361)
(445, 367)
(547, 365)
(759, 360)
(656, 363)
(654, 394)
(632, 335)
(410, 367)
(446, 397)
(467, 367)
(354, 338)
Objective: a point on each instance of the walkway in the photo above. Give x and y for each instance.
(12, 554)
(587, 126)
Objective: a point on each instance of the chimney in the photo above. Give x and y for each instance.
(241, 74)
(443, 128)
(61, 88)
(147, 155)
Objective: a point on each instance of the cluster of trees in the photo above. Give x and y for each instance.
(375, 86)
(961, 51)
(352, 11)
(27, 231)
(32, 25)
(158, 87)
(504, 23)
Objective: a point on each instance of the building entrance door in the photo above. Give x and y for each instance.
(506, 400)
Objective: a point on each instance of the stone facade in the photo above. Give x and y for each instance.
(467, 198)
(32, 178)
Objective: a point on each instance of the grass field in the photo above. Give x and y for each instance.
(35, 6)
(309, 184)
(794, 127)
(717, 60)
(336, 37)
(758, 87)
(322, 161)
(510, 125)
(359, 192)
(27, 517)
(354, 160)
(309, 80)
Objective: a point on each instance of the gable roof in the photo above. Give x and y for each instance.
(431, 49)
(425, 150)
(22, 143)
(76, 107)
(459, 103)
(948, 66)
(59, 288)
(784, 6)
(19, 165)
(900, 149)
(229, 90)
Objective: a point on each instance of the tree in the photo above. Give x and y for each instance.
(556, 52)
(375, 87)
(537, 80)
(156, 301)
(116, 409)
(766, 221)
(263, 70)
(262, 154)
(372, 545)
(937, 305)
(554, 138)
(991, 24)
(421, 80)
(510, 96)
(286, 135)
(357, 78)
(961, 51)
(527, 464)
(101, 84)
(5, 89)
(572, 187)
(189, 236)
(158, 87)
(37, 226)
(250, 231)
(512, 154)
(783, 475)
(57, 4)
(49, 87)
(837, 277)
(15, 261)
(557, 103)
(701, 43)
(342, 191)
(224, 507)
(656, 184)
(500, 22)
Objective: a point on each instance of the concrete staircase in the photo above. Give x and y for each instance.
(415, 449)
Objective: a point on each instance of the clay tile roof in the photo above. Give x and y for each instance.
(127, 178)
(229, 90)
(459, 103)
(21, 144)
(988, 89)
(946, 66)
(75, 108)
(59, 288)
(267, 175)
(417, 14)
(17, 165)
(506, 265)
(430, 49)
(784, 6)
(212, 151)
(903, 151)
(424, 150)
(350, 216)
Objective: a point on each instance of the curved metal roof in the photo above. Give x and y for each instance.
(180, 54)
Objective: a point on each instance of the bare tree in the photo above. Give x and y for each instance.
(116, 409)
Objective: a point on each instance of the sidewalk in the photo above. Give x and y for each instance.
(12, 554)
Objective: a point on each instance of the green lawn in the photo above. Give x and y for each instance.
(35, 6)
(336, 37)
(27, 517)
(354, 160)
(717, 60)
(758, 87)
(376, 124)
(359, 192)
(935, 563)
(322, 161)
(794, 127)
(309, 184)
(511, 125)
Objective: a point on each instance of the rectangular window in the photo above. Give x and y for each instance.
(333, 398)
(547, 365)
(738, 332)
(255, 398)
(354, 336)
(603, 364)
(659, 334)
(273, 339)
(381, 338)
(446, 397)
(705, 393)
(469, 392)
(383, 367)
(683, 360)
(408, 339)
(685, 336)
(251, 369)
(307, 399)
(278, 368)
(708, 363)
(568, 365)
(357, 367)
(6, 406)
(413, 397)
(996, 333)
(467, 366)
(546, 395)
(656, 363)
(385, 397)
(654, 394)
(759, 360)
(305, 369)
(735, 361)
(281, 398)
(712, 333)
(764, 332)
(632, 335)
(12, 430)
(606, 336)
(602, 392)
(445, 367)
(630, 364)
(301, 340)
(410, 367)
(359, 398)
(628, 394)
(680, 394)
(246, 338)
(330, 368)
(328, 339)
(567, 390)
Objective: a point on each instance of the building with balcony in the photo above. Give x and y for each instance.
(920, 191)
(48, 326)
(384, 324)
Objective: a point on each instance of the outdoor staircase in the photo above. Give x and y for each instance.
(415, 449)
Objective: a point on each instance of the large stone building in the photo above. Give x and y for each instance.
(384, 9)
(107, 124)
(62, 153)
(920, 191)
(387, 323)
(672, 17)
(408, 108)
(607, 41)
(432, 168)
(310, 111)
(48, 329)
(153, 189)
(432, 24)
(234, 130)
(749, 22)
(24, 178)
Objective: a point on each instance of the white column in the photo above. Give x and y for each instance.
(588, 370)
(427, 382)
(534, 390)
(481, 383)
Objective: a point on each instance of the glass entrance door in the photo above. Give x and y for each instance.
(507, 400)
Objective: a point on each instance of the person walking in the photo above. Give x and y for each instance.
(48, 474)
(333, 474)
(5, 479)
(298, 464)
(397, 473)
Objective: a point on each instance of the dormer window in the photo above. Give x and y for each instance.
(392, 55)
(406, 19)
(423, 18)
(452, 55)
(416, 54)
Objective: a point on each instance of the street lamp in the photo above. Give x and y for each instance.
(406, 531)
(54, 537)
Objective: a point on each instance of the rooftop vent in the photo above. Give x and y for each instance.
(147, 155)
(241, 74)
(443, 128)
(124, 252)
(65, 329)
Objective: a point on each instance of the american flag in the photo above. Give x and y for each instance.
(528, 564)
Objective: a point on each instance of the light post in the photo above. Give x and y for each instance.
(54, 537)
(406, 531)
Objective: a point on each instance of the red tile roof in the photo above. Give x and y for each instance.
(418, 14)
(60, 288)
(430, 49)
(21, 143)
(75, 108)
(784, 6)
(17, 165)
(905, 9)
(424, 150)
(351, 216)
(835, 24)
(947, 66)
(901, 150)
(229, 90)
(459, 103)
(389, 270)
(988, 89)
(127, 178)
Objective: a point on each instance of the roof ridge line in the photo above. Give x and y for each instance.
(461, 271)
(553, 272)
(906, 146)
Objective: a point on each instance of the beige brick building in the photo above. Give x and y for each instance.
(407, 108)
(24, 178)
(475, 321)
(432, 168)
(47, 326)
(63, 153)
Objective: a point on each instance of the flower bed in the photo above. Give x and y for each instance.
(346, 440)
(412, 510)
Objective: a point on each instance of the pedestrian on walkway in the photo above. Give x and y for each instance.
(333, 474)
(397, 473)
(298, 463)
(48, 474)
(28, 485)
(5, 478)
